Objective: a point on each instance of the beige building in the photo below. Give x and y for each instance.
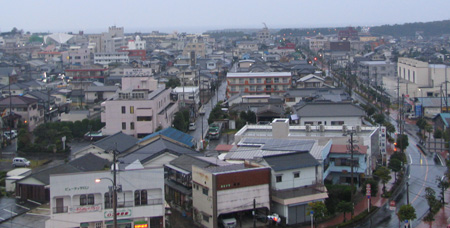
(196, 45)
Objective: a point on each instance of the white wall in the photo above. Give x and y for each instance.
(307, 177)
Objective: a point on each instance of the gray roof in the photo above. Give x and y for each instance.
(329, 109)
(428, 102)
(154, 149)
(86, 163)
(311, 92)
(102, 89)
(186, 161)
(119, 141)
(41, 96)
(226, 168)
(279, 144)
(290, 161)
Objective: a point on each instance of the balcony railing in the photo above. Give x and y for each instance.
(63, 209)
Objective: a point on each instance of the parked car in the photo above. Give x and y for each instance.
(192, 127)
(20, 162)
(10, 134)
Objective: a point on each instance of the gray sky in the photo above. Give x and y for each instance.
(94, 16)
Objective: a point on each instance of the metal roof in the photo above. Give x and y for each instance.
(290, 161)
(329, 109)
(173, 134)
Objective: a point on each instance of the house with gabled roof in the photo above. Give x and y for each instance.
(156, 152)
(119, 142)
(171, 133)
(36, 185)
(330, 114)
(20, 108)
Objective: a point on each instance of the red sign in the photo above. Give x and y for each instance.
(392, 203)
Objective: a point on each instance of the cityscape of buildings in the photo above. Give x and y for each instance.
(250, 129)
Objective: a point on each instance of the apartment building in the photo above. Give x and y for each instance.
(270, 83)
(111, 57)
(197, 46)
(78, 200)
(373, 72)
(139, 108)
(77, 55)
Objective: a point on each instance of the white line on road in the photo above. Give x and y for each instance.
(2, 218)
(29, 213)
(442, 162)
(12, 212)
(26, 208)
(410, 159)
(34, 202)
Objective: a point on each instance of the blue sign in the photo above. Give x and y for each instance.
(311, 212)
(418, 110)
(368, 197)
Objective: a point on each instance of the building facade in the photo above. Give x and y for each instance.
(111, 57)
(222, 191)
(270, 83)
(139, 108)
(76, 200)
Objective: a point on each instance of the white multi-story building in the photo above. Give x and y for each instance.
(77, 200)
(137, 44)
(139, 108)
(77, 55)
(112, 57)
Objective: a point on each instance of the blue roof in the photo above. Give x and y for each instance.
(445, 118)
(173, 134)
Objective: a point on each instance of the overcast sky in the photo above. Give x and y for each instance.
(94, 16)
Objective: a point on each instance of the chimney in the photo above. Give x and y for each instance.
(280, 128)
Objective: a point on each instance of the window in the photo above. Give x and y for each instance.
(144, 118)
(279, 178)
(124, 126)
(276, 80)
(98, 225)
(83, 200)
(205, 191)
(140, 197)
(123, 109)
(337, 123)
(258, 80)
(90, 199)
(108, 200)
(205, 217)
(131, 109)
(296, 174)
(131, 125)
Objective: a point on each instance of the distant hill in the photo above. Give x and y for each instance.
(435, 28)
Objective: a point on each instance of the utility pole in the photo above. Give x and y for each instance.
(114, 189)
(254, 213)
(351, 141)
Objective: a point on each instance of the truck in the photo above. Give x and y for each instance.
(215, 129)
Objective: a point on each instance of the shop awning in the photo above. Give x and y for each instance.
(120, 221)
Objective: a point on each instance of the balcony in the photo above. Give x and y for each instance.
(63, 209)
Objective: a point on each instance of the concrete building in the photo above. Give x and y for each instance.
(195, 46)
(76, 200)
(110, 41)
(139, 108)
(318, 42)
(419, 79)
(111, 57)
(271, 83)
(21, 109)
(221, 192)
(330, 114)
(77, 55)
(137, 44)
(373, 72)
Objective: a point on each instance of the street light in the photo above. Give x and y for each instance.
(114, 187)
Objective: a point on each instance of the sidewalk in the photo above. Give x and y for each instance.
(441, 218)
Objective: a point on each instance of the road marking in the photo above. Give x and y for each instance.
(34, 202)
(2, 218)
(442, 163)
(26, 208)
(425, 180)
(12, 212)
(410, 159)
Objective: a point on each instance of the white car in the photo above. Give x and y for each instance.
(20, 162)
(8, 134)
(192, 127)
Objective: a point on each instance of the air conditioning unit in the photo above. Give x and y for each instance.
(322, 128)
(308, 127)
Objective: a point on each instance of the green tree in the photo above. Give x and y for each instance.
(390, 128)
(395, 165)
(437, 134)
(443, 185)
(379, 118)
(173, 82)
(406, 212)
(319, 208)
(402, 142)
(384, 174)
(344, 207)
(178, 122)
